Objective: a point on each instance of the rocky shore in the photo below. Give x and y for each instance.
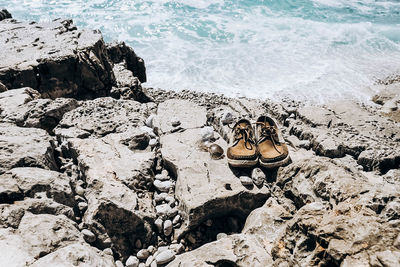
(97, 170)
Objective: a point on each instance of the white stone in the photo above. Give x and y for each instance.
(132, 261)
(245, 180)
(119, 264)
(149, 121)
(159, 225)
(178, 248)
(143, 254)
(149, 131)
(149, 260)
(108, 251)
(82, 206)
(227, 118)
(153, 142)
(160, 197)
(151, 249)
(163, 186)
(88, 235)
(162, 176)
(167, 228)
(207, 133)
(165, 257)
(258, 176)
(176, 219)
(79, 190)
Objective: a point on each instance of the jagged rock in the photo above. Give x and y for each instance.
(10, 101)
(45, 233)
(128, 86)
(30, 181)
(42, 113)
(102, 116)
(54, 58)
(119, 51)
(25, 147)
(258, 176)
(76, 255)
(235, 250)
(18, 253)
(333, 234)
(317, 179)
(104, 158)
(189, 114)
(4, 14)
(197, 174)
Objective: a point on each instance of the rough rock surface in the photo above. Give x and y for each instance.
(10, 101)
(102, 116)
(25, 147)
(54, 58)
(4, 14)
(197, 172)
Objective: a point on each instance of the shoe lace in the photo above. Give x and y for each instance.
(268, 132)
(245, 133)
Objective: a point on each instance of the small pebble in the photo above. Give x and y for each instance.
(227, 118)
(163, 186)
(108, 251)
(258, 176)
(82, 206)
(221, 235)
(160, 197)
(175, 122)
(176, 219)
(153, 264)
(132, 261)
(119, 264)
(165, 257)
(245, 180)
(150, 121)
(151, 249)
(159, 225)
(143, 254)
(167, 228)
(88, 236)
(79, 190)
(142, 264)
(207, 133)
(162, 177)
(153, 142)
(170, 199)
(149, 260)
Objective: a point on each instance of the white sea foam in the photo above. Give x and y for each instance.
(311, 49)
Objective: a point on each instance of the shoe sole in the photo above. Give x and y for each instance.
(275, 164)
(242, 162)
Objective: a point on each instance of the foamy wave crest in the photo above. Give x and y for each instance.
(311, 49)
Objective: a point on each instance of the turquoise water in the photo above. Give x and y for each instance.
(307, 49)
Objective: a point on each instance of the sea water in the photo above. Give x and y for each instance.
(317, 50)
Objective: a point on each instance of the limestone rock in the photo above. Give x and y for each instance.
(189, 114)
(45, 233)
(132, 261)
(31, 181)
(76, 255)
(119, 52)
(57, 60)
(100, 117)
(25, 147)
(42, 113)
(10, 101)
(197, 173)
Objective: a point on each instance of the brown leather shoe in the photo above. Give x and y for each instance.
(242, 151)
(272, 150)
